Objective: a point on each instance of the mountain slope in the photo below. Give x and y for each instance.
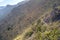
(40, 30)
(22, 16)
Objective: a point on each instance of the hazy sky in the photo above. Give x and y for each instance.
(11, 2)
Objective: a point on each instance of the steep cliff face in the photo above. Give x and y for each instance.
(22, 16)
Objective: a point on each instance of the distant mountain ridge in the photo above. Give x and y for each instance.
(1, 7)
(5, 10)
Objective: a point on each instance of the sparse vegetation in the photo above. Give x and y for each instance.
(43, 32)
(47, 34)
(28, 34)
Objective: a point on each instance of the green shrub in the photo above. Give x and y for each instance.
(9, 28)
(38, 22)
(44, 34)
(28, 34)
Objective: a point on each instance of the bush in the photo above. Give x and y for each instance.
(28, 34)
(9, 28)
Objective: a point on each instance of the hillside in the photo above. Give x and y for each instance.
(27, 22)
(41, 30)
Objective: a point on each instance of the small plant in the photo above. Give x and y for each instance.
(38, 21)
(9, 28)
(28, 34)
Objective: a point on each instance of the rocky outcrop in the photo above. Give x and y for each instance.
(54, 15)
